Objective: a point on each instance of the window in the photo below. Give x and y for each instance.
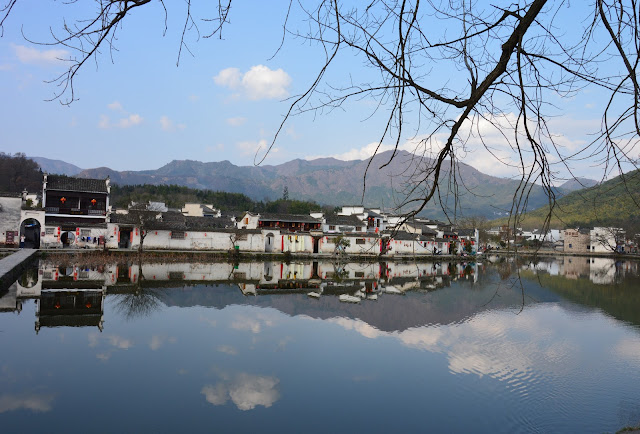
(85, 232)
(359, 274)
(177, 235)
(332, 228)
(570, 246)
(360, 241)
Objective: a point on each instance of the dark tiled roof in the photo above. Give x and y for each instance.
(466, 232)
(344, 220)
(426, 230)
(207, 223)
(68, 183)
(404, 236)
(207, 210)
(171, 221)
(293, 218)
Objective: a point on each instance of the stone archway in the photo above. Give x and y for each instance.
(269, 242)
(30, 233)
(67, 238)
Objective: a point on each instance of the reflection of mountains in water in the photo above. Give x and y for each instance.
(390, 312)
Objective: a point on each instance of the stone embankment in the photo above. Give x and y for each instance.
(11, 266)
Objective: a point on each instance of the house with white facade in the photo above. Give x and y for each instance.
(606, 239)
(200, 210)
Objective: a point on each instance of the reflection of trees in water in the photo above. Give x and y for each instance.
(29, 277)
(138, 304)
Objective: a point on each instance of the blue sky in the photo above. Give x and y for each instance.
(223, 103)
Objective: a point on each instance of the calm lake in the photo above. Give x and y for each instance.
(497, 345)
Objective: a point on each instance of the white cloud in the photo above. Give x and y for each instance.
(249, 147)
(236, 122)
(168, 125)
(128, 121)
(246, 391)
(104, 122)
(291, 132)
(116, 106)
(34, 402)
(362, 153)
(260, 82)
(229, 77)
(33, 56)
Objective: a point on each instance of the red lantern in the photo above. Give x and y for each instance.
(93, 202)
(63, 200)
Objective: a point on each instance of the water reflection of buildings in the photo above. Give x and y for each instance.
(64, 296)
(74, 296)
(601, 271)
(256, 277)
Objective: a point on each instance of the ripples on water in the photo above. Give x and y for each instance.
(436, 347)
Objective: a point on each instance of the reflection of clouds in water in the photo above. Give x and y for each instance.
(116, 342)
(103, 356)
(211, 322)
(246, 391)
(158, 341)
(282, 345)
(34, 402)
(254, 322)
(366, 330)
(227, 349)
(246, 324)
(499, 344)
(216, 395)
(120, 342)
(628, 349)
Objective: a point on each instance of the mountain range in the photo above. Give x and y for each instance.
(332, 182)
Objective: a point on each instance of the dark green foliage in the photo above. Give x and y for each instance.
(175, 196)
(18, 173)
(613, 203)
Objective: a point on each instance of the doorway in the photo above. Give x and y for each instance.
(30, 234)
(67, 239)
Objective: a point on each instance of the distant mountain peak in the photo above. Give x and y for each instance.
(578, 184)
(57, 167)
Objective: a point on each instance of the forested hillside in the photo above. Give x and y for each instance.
(17, 172)
(613, 203)
(175, 196)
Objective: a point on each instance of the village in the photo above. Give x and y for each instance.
(76, 213)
